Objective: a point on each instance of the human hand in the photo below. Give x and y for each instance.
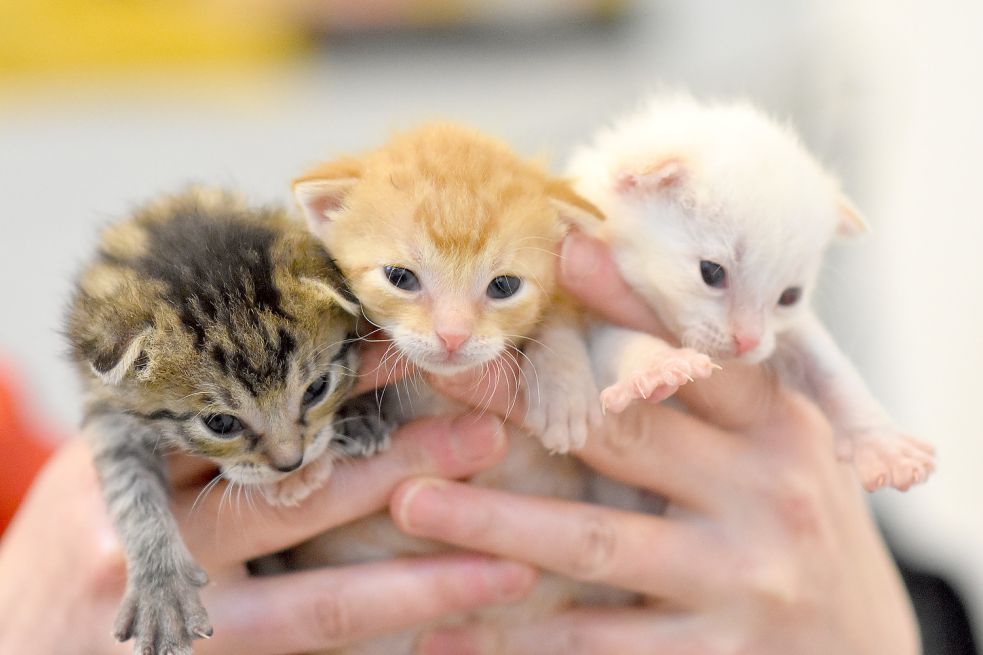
(62, 573)
(769, 547)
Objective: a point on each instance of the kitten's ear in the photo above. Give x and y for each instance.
(574, 210)
(851, 223)
(334, 293)
(663, 175)
(112, 361)
(321, 192)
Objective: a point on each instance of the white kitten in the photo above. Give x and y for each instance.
(719, 218)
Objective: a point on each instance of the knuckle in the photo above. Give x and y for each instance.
(765, 582)
(331, 619)
(773, 586)
(594, 549)
(794, 501)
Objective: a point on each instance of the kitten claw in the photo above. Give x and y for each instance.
(884, 457)
(658, 378)
(165, 616)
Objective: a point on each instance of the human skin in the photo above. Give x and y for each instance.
(769, 548)
(772, 550)
(62, 572)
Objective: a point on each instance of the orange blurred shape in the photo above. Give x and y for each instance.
(23, 447)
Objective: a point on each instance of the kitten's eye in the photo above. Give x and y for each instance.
(223, 424)
(402, 278)
(315, 391)
(790, 296)
(713, 274)
(503, 286)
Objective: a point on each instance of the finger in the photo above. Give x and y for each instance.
(317, 610)
(185, 470)
(441, 446)
(589, 273)
(623, 631)
(737, 397)
(654, 447)
(381, 363)
(637, 552)
(669, 452)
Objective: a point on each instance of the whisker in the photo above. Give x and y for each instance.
(204, 492)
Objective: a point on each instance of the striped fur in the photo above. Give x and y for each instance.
(193, 307)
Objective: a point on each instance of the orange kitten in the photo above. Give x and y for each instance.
(449, 240)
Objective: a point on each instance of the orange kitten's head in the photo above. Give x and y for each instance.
(447, 238)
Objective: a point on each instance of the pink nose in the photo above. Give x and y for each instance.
(744, 343)
(452, 340)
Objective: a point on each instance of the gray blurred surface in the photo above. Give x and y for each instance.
(887, 93)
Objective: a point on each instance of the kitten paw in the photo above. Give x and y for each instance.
(563, 410)
(293, 489)
(163, 618)
(658, 378)
(886, 458)
(361, 427)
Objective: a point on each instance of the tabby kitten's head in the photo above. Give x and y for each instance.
(228, 328)
(448, 239)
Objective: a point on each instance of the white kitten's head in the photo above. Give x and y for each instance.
(717, 216)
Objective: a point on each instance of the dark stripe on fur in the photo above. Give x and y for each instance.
(160, 415)
(212, 265)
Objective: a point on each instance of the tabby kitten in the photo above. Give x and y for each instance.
(223, 331)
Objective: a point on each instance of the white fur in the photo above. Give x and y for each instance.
(749, 197)
(681, 182)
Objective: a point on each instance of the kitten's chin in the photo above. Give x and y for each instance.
(251, 475)
(755, 356)
(446, 368)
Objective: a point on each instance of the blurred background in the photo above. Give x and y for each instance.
(103, 104)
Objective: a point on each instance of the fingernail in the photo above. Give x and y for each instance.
(423, 499)
(579, 257)
(454, 641)
(509, 580)
(473, 439)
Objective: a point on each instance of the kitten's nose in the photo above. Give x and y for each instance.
(453, 339)
(745, 343)
(287, 467)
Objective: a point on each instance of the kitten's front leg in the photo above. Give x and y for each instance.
(637, 366)
(562, 403)
(161, 610)
(882, 455)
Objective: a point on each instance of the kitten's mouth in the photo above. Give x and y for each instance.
(450, 365)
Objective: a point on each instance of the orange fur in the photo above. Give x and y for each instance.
(456, 207)
(459, 209)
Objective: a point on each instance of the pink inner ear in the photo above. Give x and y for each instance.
(625, 182)
(661, 175)
(319, 201)
(322, 207)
